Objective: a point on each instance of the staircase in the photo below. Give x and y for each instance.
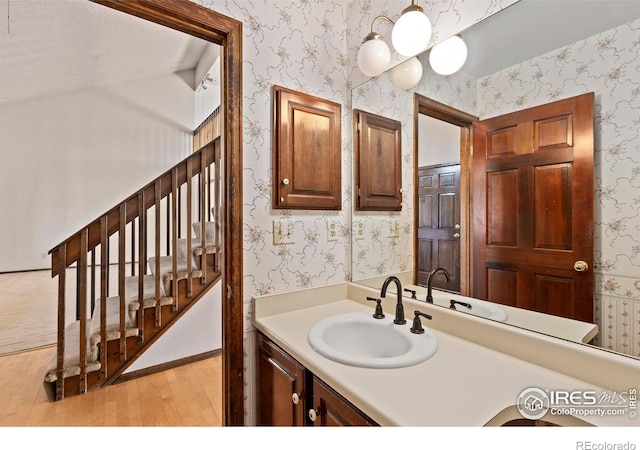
(133, 272)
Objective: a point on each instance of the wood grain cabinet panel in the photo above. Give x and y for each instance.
(307, 151)
(378, 162)
(279, 378)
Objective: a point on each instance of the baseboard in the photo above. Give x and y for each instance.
(166, 366)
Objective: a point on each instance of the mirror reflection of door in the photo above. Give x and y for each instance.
(533, 208)
(438, 202)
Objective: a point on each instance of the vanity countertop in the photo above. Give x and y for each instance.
(463, 384)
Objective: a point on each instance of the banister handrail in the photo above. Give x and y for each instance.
(71, 244)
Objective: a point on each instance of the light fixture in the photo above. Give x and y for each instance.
(374, 55)
(448, 56)
(407, 74)
(410, 35)
(412, 31)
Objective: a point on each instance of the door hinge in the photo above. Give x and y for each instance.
(229, 291)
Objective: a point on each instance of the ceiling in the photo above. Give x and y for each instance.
(56, 46)
(530, 28)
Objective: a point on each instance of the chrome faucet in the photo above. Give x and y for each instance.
(400, 320)
(430, 281)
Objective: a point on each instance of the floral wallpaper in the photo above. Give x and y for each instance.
(309, 46)
(607, 64)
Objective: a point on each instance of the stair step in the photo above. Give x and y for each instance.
(112, 325)
(166, 270)
(196, 250)
(149, 295)
(71, 355)
(209, 230)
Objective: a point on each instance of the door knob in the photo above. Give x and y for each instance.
(313, 415)
(580, 266)
(295, 398)
(285, 181)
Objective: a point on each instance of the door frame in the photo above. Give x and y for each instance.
(204, 23)
(441, 111)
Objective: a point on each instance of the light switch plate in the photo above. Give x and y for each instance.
(282, 232)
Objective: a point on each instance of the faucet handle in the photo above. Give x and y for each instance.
(417, 323)
(378, 314)
(413, 293)
(453, 304)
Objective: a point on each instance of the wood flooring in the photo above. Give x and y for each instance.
(186, 396)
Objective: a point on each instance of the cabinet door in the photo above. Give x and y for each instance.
(307, 151)
(331, 409)
(280, 386)
(378, 162)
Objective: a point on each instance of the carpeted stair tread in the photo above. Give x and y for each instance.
(112, 324)
(166, 270)
(71, 366)
(196, 246)
(149, 295)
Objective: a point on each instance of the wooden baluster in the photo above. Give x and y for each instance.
(168, 226)
(189, 221)
(133, 247)
(180, 209)
(203, 223)
(104, 282)
(158, 310)
(121, 275)
(142, 261)
(216, 201)
(81, 267)
(93, 280)
(174, 236)
(62, 269)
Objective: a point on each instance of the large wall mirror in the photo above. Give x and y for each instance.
(520, 57)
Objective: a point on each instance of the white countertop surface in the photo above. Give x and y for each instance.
(463, 384)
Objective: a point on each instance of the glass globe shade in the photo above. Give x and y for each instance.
(407, 74)
(448, 56)
(374, 57)
(411, 33)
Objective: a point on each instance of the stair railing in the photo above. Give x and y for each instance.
(158, 215)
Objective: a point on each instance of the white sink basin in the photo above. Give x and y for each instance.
(357, 339)
(484, 309)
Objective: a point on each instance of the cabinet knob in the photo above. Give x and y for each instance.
(285, 181)
(313, 415)
(295, 398)
(456, 235)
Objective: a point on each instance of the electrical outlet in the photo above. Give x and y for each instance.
(358, 230)
(394, 229)
(282, 232)
(332, 231)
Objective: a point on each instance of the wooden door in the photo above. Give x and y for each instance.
(439, 224)
(533, 211)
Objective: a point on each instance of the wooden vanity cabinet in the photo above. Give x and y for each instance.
(280, 386)
(288, 394)
(331, 409)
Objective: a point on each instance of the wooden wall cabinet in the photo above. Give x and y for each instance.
(307, 151)
(378, 162)
(288, 394)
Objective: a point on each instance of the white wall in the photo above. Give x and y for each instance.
(68, 158)
(198, 331)
(438, 141)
